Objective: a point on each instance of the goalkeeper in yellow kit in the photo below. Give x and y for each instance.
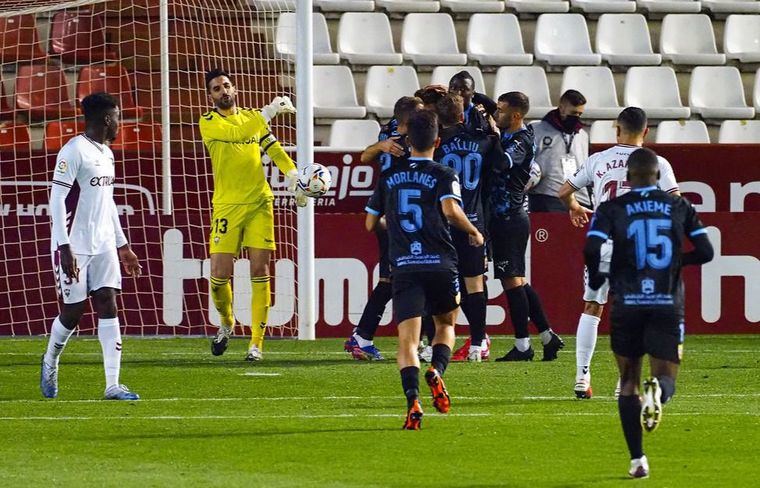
(243, 214)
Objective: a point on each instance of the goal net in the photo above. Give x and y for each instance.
(53, 54)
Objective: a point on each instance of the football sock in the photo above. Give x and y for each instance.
(361, 340)
(630, 416)
(261, 299)
(59, 336)
(441, 356)
(585, 344)
(428, 328)
(109, 336)
(667, 386)
(410, 382)
(475, 311)
(522, 344)
(221, 295)
(518, 310)
(546, 336)
(374, 310)
(536, 310)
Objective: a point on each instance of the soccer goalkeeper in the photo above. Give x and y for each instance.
(243, 212)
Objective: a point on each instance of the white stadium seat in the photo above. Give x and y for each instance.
(739, 132)
(430, 39)
(655, 89)
(285, 43)
(562, 39)
(345, 5)
(741, 38)
(530, 80)
(603, 132)
(409, 5)
(732, 6)
(682, 132)
(538, 6)
(353, 134)
(601, 6)
(473, 6)
(756, 91)
(716, 92)
(385, 85)
(366, 38)
(335, 94)
(623, 39)
(273, 5)
(442, 75)
(495, 40)
(670, 6)
(597, 85)
(689, 39)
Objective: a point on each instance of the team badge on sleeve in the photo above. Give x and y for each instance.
(61, 167)
(456, 189)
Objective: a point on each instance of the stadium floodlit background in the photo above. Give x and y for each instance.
(308, 415)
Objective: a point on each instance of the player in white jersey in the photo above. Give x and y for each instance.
(606, 172)
(86, 258)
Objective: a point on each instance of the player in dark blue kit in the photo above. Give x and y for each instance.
(387, 152)
(477, 107)
(419, 199)
(647, 227)
(509, 230)
(474, 155)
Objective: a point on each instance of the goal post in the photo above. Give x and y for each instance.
(151, 54)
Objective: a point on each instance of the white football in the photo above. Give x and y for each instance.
(535, 176)
(314, 180)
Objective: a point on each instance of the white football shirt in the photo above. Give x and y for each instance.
(91, 165)
(607, 172)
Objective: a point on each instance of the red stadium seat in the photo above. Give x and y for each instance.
(58, 133)
(14, 136)
(6, 112)
(79, 37)
(18, 39)
(43, 91)
(138, 137)
(111, 78)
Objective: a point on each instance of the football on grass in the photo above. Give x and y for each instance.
(314, 180)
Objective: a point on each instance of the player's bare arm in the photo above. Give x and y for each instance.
(578, 213)
(390, 146)
(129, 261)
(68, 262)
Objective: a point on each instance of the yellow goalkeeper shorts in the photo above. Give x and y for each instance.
(237, 226)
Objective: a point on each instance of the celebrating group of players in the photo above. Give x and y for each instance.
(455, 168)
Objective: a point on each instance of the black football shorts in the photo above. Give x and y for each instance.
(384, 268)
(424, 293)
(471, 259)
(639, 331)
(509, 240)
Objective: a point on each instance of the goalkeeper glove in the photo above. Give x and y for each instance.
(280, 105)
(292, 180)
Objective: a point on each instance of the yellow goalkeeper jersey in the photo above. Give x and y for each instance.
(234, 143)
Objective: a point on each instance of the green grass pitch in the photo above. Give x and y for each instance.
(308, 416)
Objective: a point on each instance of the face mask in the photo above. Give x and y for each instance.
(570, 122)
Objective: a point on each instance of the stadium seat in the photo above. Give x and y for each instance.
(353, 134)
(473, 6)
(138, 137)
(345, 5)
(623, 39)
(670, 6)
(79, 37)
(6, 112)
(495, 40)
(716, 92)
(442, 75)
(285, 43)
(431, 39)
(689, 39)
(597, 85)
(655, 89)
(602, 6)
(682, 132)
(59, 132)
(405, 6)
(732, 6)
(756, 91)
(562, 39)
(739, 132)
(42, 90)
(603, 132)
(273, 5)
(15, 137)
(538, 6)
(366, 38)
(335, 94)
(385, 85)
(530, 80)
(741, 37)
(110, 78)
(18, 39)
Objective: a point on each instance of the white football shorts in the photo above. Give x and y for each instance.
(95, 272)
(599, 296)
